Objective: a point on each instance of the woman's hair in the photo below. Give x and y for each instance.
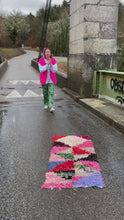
(45, 51)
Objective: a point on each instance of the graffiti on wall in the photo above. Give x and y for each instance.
(118, 86)
(120, 99)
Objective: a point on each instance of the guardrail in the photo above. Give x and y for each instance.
(3, 66)
(61, 77)
(109, 85)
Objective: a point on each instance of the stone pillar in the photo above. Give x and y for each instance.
(92, 43)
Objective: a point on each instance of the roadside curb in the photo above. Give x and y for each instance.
(72, 94)
(110, 121)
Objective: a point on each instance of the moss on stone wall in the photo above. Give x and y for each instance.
(120, 51)
(120, 56)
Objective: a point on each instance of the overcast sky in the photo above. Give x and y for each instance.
(25, 6)
(122, 1)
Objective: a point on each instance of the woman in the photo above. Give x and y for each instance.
(48, 69)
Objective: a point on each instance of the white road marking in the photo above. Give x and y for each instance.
(14, 94)
(24, 81)
(36, 81)
(14, 82)
(30, 93)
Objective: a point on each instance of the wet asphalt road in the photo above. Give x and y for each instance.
(26, 132)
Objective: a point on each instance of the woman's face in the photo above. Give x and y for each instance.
(47, 54)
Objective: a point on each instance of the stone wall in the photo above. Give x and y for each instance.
(92, 43)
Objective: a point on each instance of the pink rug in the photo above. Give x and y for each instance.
(73, 163)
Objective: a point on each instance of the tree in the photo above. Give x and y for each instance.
(30, 18)
(65, 3)
(58, 36)
(58, 31)
(55, 12)
(17, 27)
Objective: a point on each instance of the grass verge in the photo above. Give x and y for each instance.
(9, 53)
(62, 67)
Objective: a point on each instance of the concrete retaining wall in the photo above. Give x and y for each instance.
(34, 63)
(3, 67)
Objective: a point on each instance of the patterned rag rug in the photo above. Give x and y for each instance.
(73, 163)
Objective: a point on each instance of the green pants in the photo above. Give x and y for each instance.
(48, 93)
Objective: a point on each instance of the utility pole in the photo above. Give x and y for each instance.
(44, 27)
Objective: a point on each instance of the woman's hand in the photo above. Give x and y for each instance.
(49, 62)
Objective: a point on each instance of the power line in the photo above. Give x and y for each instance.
(44, 27)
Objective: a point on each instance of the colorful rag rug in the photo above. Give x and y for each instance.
(73, 163)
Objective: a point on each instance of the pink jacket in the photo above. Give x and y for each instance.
(43, 75)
